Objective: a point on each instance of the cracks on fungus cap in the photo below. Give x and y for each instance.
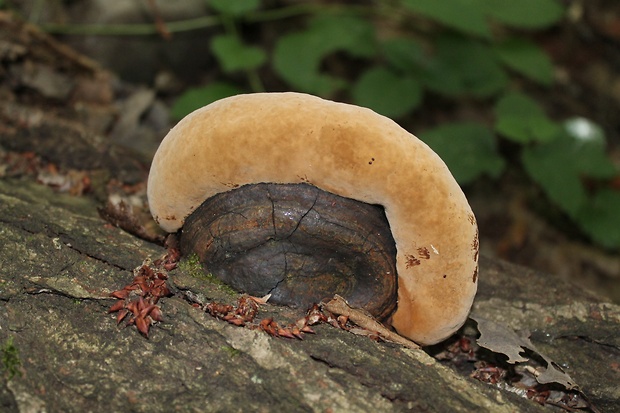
(301, 218)
(287, 237)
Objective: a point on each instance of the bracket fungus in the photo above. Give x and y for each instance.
(339, 149)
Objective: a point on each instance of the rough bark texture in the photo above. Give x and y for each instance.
(59, 261)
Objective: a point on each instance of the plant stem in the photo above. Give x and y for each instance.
(252, 75)
(256, 84)
(137, 29)
(144, 29)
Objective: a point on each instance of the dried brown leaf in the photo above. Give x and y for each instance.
(500, 339)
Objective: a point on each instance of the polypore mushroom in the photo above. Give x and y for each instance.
(291, 138)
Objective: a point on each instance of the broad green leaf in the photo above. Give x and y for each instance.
(518, 104)
(554, 166)
(234, 7)
(468, 148)
(527, 129)
(297, 57)
(562, 186)
(386, 92)
(442, 78)
(471, 16)
(600, 219)
(589, 145)
(520, 119)
(351, 34)
(466, 16)
(404, 54)
(233, 55)
(560, 165)
(525, 14)
(527, 59)
(198, 97)
(464, 66)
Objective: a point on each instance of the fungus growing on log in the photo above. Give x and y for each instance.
(341, 149)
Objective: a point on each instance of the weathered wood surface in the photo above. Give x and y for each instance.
(59, 260)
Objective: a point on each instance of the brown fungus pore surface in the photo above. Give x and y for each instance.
(346, 150)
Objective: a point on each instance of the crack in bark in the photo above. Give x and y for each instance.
(90, 255)
(63, 237)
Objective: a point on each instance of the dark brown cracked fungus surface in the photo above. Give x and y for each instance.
(298, 243)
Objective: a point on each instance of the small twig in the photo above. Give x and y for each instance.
(160, 25)
(64, 50)
(339, 306)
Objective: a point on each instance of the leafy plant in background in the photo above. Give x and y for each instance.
(392, 55)
(568, 160)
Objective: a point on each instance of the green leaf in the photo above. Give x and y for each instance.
(588, 141)
(518, 104)
(526, 58)
(600, 219)
(404, 54)
(352, 34)
(234, 7)
(559, 166)
(525, 14)
(520, 119)
(198, 97)
(466, 16)
(233, 55)
(297, 57)
(530, 129)
(468, 148)
(554, 171)
(471, 16)
(387, 93)
(464, 66)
